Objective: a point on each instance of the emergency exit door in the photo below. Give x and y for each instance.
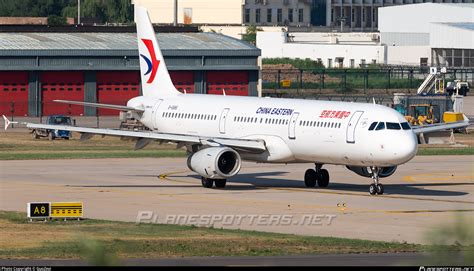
(222, 120)
(292, 125)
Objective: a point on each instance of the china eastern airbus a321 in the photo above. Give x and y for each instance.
(221, 131)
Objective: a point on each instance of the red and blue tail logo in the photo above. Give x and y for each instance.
(153, 63)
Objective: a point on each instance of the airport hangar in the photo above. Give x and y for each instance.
(37, 67)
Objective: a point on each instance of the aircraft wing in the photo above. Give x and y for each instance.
(108, 106)
(249, 145)
(440, 126)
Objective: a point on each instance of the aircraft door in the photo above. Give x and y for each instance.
(292, 125)
(222, 120)
(350, 132)
(154, 113)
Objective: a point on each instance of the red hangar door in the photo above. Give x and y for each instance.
(116, 87)
(183, 80)
(14, 93)
(232, 82)
(62, 86)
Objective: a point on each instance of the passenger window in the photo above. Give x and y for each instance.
(380, 126)
(372, 126)
(405, 126)
(393, 126)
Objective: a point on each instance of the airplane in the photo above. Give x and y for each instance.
(219, 131)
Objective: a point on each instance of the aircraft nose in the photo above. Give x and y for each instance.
(406, 148)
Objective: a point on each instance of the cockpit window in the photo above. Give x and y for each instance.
(405, 126)
(393, 126)
(380, 126)
(372, 126)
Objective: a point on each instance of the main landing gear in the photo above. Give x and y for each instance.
(317, 175)
(208, 182)
(376, 187)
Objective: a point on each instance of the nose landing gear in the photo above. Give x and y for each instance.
(376, 187)
(317, 175)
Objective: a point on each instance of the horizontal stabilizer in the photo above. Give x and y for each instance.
(8, 122)
(108, 106)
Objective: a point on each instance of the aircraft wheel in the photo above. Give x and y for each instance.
(207, 182)
(379, 188)
(323, 180)
(310, 178)
(35, 135)
(372, 189)
(220, 183)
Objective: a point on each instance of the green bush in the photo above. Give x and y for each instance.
(295, 62)
(56, 20)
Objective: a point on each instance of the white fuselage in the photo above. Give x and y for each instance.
(293, 130)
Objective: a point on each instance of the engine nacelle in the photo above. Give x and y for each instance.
(215, 162)
(364, 171)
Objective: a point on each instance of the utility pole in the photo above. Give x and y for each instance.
(78, 11)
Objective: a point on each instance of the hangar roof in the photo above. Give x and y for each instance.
(182, 44)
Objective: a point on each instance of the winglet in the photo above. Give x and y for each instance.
(8, 122)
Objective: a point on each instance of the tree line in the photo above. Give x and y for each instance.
(104, 11)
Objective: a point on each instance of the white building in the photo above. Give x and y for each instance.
(429, 34)
(332, 49)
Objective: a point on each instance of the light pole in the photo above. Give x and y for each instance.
(78, 11)
(175, 22)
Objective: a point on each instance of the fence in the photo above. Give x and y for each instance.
(354, 80)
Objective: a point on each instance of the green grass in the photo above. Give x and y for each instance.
(7, 155)
(21, 146)
(446, 151)
(124, 240)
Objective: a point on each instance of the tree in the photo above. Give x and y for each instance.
(251, 34)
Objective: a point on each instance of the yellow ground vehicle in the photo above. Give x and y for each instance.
(420, 114)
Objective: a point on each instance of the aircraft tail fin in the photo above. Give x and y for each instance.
(156, 80)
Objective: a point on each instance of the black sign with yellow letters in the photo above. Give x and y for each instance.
(38, 209)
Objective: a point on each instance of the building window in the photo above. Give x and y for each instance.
(290, 15)
(300, 15)
(332, 14)
(269, 15)
(247, 15)
(374, 61)
(352, 63)
(362, 63)
(353, 15)
(329, 62)
(279, 15)
(257, 15)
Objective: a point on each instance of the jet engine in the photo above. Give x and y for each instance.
(365, 171)
(215, 162)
